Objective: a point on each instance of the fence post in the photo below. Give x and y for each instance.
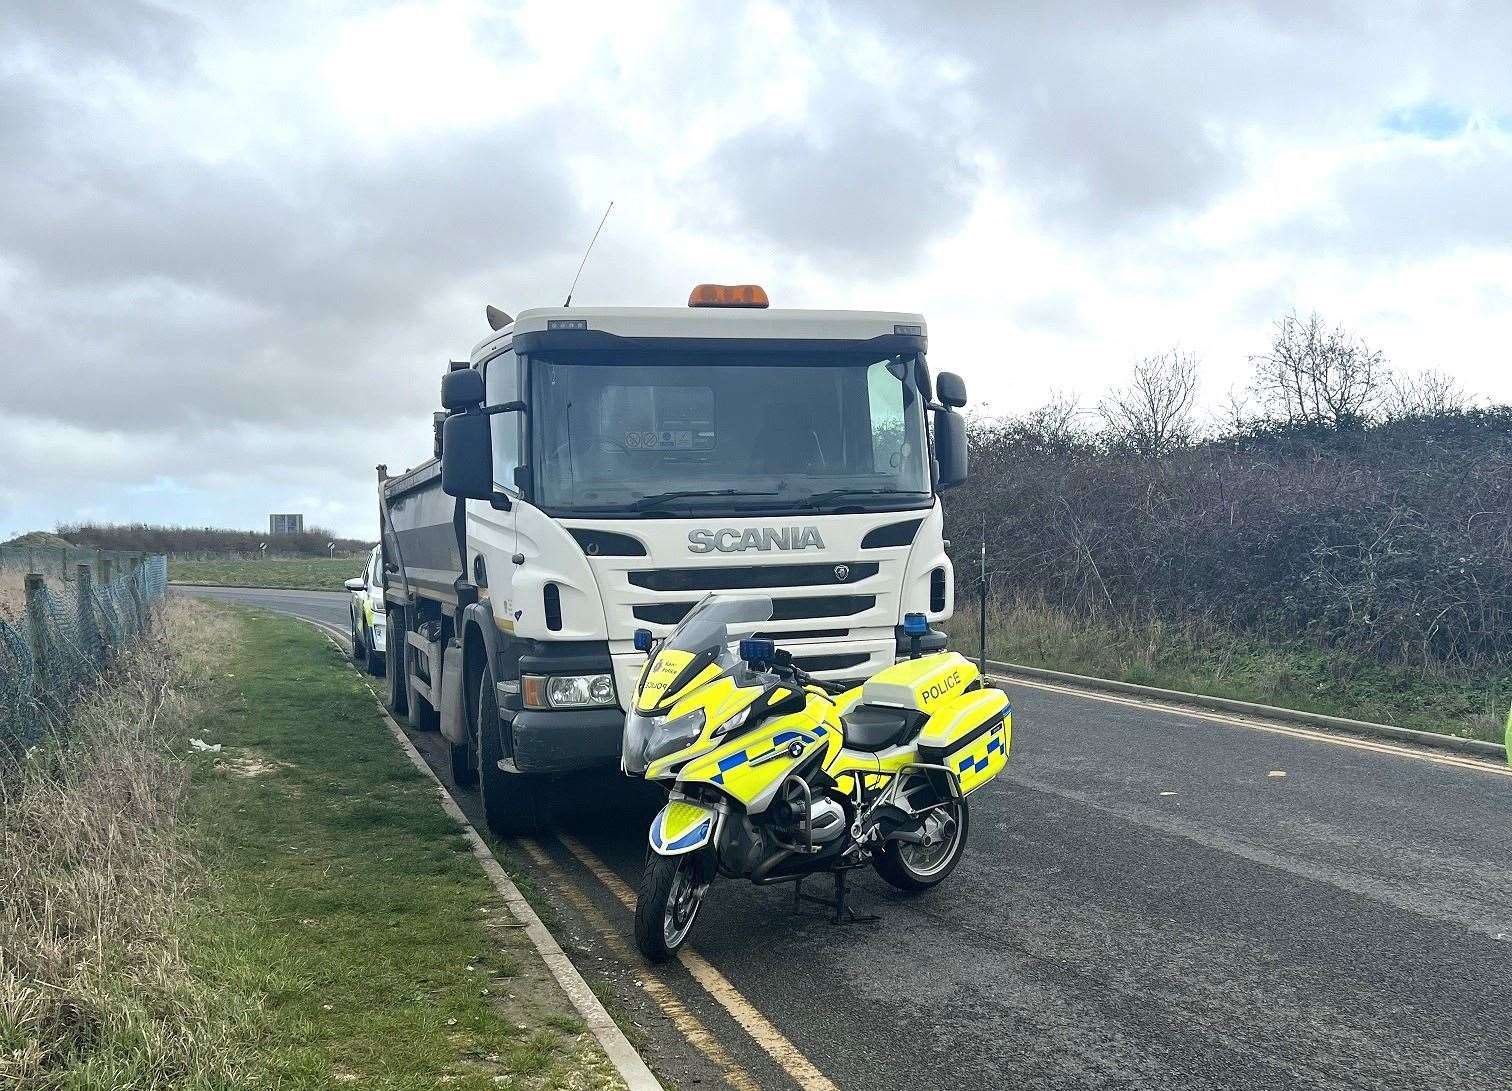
(134, 585)
(34, 610)
(89, 632)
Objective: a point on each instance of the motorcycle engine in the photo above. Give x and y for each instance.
(828, 819)
(797, 813)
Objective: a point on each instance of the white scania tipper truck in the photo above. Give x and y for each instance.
(600, 470)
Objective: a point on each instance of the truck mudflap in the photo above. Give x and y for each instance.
(454, 726)
(560, 741)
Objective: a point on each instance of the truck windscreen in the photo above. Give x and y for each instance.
(727, 432)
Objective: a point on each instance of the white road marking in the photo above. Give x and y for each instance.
(1393, 749)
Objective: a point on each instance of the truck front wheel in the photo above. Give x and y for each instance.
(464, 764)
(511, 801)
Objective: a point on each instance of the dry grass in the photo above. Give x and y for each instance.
(12, 592)
(1198, 656)
(94, 870)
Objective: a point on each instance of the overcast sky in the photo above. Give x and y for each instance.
(238, 242)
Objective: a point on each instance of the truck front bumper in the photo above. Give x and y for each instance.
(561, 740)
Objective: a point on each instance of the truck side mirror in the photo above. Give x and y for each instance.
(467, 454)
(951, 389)
(950, 447)
(462, 389)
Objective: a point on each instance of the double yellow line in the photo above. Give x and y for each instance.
(776, 1045)
(772, 1041)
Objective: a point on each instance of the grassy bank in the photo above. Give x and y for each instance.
(294, 573)
(98, 882)
(352, 903)
(292, 911)
(1199, 658)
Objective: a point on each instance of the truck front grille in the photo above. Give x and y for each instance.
(670, 613)
(752, 576)
(837, 662)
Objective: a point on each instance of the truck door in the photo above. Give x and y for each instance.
(491, 540)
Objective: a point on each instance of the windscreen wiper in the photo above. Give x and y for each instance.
(835, 494)
(662, 497)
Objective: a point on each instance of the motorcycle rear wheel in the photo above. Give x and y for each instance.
(666, 904)
(918, 867)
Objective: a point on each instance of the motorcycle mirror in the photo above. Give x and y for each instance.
(755, 650)
(643, 640)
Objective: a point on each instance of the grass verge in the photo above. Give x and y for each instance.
(291, 911)
(290, 573)
(1200, 658)
(353, 904)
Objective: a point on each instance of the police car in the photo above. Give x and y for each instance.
(367, 615)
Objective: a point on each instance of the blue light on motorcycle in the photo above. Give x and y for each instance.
(754, 650)
(643, 640)
(915, 624)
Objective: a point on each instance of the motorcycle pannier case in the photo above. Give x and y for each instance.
(970, 736)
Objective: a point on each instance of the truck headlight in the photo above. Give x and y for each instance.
(567, 690)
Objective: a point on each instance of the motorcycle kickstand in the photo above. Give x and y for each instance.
(844, 914)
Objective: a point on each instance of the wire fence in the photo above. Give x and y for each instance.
(58, 636)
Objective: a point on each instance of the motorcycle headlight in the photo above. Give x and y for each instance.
(735, 722)
(675, 734)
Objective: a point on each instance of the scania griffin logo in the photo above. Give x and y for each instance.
(762, 539)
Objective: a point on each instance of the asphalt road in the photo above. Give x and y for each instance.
(1150, 899)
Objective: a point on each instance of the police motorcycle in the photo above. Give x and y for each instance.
(774, 776)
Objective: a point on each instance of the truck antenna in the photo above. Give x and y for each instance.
(586, 253)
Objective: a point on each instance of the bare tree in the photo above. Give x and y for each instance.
(1429, 393)
(1317, 375)
(1055, 421)
(1234, 416)
(1153, 414)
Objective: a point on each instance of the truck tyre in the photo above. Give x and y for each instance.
(511, 801)
(464, 765)
(397, 692)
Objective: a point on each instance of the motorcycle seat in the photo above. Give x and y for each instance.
(876, 727)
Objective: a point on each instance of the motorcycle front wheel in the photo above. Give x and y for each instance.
(666, 904)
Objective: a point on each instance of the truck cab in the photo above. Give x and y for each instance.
(618, 464)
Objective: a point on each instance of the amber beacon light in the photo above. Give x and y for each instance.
(728, 295)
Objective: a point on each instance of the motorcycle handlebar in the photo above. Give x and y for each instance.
(802, 677)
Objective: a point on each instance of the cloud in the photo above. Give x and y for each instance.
(1434, 120)
(238, 243)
